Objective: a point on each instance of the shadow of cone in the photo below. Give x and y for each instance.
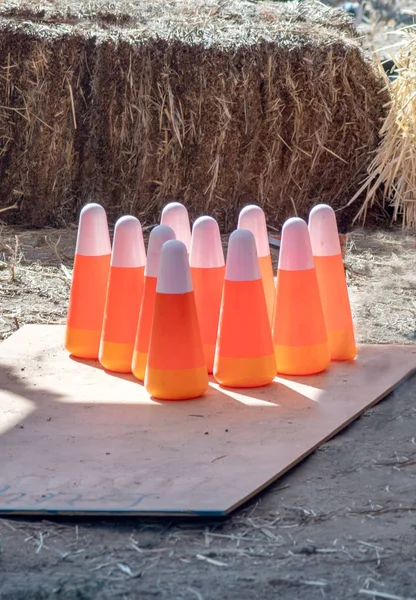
(176, 367)
(244, 354)
(299, 333)
(175, 216)
(332, 283)
(124, 294)
(207, 271)
(158, 236)
(252, 218)
(89, 284)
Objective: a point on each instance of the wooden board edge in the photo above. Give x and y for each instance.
(203, 514)
(411, 373)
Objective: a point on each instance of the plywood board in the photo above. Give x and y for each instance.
(74, 439)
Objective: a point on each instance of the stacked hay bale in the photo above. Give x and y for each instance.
(214, 104)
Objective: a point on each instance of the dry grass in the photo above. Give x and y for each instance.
(35, 277)
(214, 104)
(382, 285)
(392, 172)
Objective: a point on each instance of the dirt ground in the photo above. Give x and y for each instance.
(340, 525)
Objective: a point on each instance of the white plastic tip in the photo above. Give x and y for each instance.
(323, 231)
(158, 236)
(252, 218)
(128, 244)
(93, 238)
(295, 246)
(206, 247)
(174, 276)
(242, 261)
(176, 216)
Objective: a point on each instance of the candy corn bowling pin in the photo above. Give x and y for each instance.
(175, 216)
(158, 236)
(244, 354)
(176, 368)
(207, 271)
(299, 333)
(330, 272)
(124, 294)
(252, 218)
(89, 283)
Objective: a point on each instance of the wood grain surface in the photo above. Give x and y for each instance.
(77, 440)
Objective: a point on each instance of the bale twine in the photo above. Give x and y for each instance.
(212, 104)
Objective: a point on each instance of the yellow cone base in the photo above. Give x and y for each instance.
(82, 343)
(183, 384)
(342, 345)
(209, 353)
(116, 357)
(302, 360)
(138, 365)
(245, 372)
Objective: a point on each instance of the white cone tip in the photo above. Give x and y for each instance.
(128, 244)
(158, 236)
(176, 216)
(93, 238)
(323, 231)
(206, 247)
(174, 276)
(295, 246)
(252, 217)
(242, 260)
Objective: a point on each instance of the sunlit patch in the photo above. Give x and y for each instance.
(19, 411)
(244, 399)
(308, 391)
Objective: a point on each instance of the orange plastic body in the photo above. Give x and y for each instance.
(124, 295)
(144, 328)
(244, 354)
(176, 367)
(336, 306)
(299, 332)
(86, 305)
(208, 284)
(266, 271)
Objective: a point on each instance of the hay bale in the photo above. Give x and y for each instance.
(210, 103)
(392, 172)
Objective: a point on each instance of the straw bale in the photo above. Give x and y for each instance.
(392, 172)
(215, 104)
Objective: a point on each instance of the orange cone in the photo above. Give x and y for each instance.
(299, 333)
(244, 354)
(252, 218)
(176, 367)
(124, 294)
(207, 271)
(89, 283)
(158, 236)
(175, 216)
(329, 268)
